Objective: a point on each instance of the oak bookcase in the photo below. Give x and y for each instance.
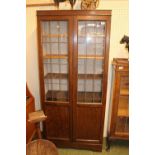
(73, 49)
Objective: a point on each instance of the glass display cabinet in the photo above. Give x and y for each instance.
(119, 126)
(73, 64)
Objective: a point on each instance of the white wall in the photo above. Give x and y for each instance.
(119, 27)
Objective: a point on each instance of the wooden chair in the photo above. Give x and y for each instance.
(36, 117)
(41, 147)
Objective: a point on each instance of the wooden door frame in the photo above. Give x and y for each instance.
(41, 67)
(107, 20)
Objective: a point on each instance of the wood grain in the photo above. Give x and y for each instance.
(41, 147)
(66, 115)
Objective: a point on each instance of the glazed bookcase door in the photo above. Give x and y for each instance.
(90, 92)
(54, 38)
(91, 44)
(55, 73)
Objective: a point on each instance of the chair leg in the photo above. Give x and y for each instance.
(38, 130)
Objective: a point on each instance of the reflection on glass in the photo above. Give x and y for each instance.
(122, 122)
(91, 41)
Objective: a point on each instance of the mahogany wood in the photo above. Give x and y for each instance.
(90, 116)
(74, 13)
(80, 76)
(70, 124)
(58, 125)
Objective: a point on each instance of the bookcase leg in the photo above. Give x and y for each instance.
(107, 144)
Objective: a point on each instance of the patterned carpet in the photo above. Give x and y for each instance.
(117, 148)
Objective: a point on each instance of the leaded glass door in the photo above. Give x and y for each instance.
(91, 44)
(90, 88)
(56, 53)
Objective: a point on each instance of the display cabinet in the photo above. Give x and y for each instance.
(73, 66)
(119, 126)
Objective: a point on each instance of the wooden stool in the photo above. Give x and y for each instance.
(36, 117)
(41, 147)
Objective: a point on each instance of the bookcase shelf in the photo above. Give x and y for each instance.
(65, 76)
(89, 97)
(92, 35)
(63, 56)
(90, 57)
(124, 92)
(55, 56)
(122, 112)
(54, 35)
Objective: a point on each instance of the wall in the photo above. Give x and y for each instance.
(119, 27)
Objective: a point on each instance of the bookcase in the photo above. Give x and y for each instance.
(73, 49)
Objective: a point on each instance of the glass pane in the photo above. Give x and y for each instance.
(55, 52)
(91, 42)
(122, 124)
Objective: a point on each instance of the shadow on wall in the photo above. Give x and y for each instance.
(32, 73)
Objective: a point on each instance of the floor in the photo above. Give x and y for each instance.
(117, 148)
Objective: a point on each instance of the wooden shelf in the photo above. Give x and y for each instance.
(89, 97)
(56, 76)
(55, 56)
(92, 43)
(90, 57)
(91, 35)
(65, 76)
(81, 96)
(126, 133)
(124, 92)
(57, 95)
(64, 56)
(61, 42)
(122, 112)
(55, 35)
(90, 76)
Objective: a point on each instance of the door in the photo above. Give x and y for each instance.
(121, 128)
(91, 35)
(55, 64)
